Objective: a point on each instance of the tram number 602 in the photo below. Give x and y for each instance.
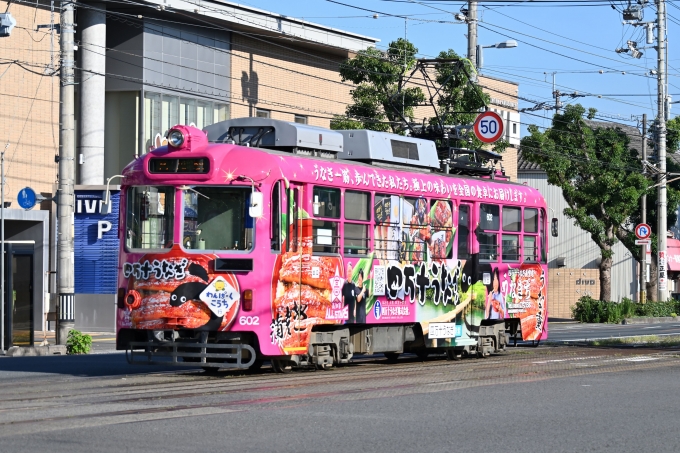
(249, 320)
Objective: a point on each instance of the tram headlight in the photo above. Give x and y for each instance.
(175, 138)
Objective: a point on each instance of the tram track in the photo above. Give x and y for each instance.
(202, 386)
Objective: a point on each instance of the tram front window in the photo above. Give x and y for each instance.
(150, 215)
(216, 218)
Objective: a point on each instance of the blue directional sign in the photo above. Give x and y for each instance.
(27, 198)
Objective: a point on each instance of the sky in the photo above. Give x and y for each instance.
(576, 39)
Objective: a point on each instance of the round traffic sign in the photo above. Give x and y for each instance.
(27, 198)
(489, 127)
(643, 231)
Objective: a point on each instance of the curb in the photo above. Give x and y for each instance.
(650, 320)
(35, 351)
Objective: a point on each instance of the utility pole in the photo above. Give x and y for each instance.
(661, 143)
(472, 32)
(556, 95)
(3, 327)
(643, 209)
(65, 199)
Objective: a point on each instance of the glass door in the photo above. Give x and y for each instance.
(18, 296)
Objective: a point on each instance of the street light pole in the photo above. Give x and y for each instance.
(661, 143)
(65, 200)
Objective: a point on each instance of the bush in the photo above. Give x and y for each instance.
(78, 343)
(588, 309)
(657, 309)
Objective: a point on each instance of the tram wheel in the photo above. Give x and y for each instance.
(282, 365)
(422, 354)
(452, 354)
(392, 356)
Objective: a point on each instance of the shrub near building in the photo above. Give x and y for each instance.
(588, 309)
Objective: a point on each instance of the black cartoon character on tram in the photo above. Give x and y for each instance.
(191, 291)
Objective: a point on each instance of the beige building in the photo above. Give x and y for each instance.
(139, 71)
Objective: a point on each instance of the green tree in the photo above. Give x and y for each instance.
(460, 101)
(377, 75)
(672, 199)
(596, 171)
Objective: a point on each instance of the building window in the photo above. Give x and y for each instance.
(162, 111)
(221, 112)
(261, 113)
(187, 111)
(152, 119)
(300, 119)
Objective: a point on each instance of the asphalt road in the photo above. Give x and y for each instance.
(550, 398)
(576, 332)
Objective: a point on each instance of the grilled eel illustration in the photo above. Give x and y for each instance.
(192, 291)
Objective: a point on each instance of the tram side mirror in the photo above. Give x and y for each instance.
(256, 208)
(553, 227)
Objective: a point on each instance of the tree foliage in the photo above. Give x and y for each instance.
(377, 75)
(380, 97)
(460, 101)
(598, 175)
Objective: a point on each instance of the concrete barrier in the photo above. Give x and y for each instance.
(35, 351)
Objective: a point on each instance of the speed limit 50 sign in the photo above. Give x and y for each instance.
(489, 127)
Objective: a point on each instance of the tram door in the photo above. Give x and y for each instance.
(19, 323)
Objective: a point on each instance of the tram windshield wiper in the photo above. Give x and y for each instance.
(194, 190)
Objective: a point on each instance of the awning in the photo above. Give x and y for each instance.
(673, 254)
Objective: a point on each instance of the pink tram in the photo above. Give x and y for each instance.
(258, 239)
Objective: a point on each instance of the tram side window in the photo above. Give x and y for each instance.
(150, 217)
(275, 232)
(463, 232)
(512, 221)
(441, 219)
(292, 227)
(542, 228)
(530, 238)
(357, 209)
(386, 214)
(325, 204)
(487, 234)
(415, 233)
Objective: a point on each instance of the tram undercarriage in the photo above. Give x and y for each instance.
(329, 346)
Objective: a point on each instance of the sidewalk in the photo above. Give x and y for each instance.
(102, 342)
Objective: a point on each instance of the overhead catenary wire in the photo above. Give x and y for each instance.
(130, 2)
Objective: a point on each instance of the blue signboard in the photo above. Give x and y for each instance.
(26, 198)
(96, 242)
